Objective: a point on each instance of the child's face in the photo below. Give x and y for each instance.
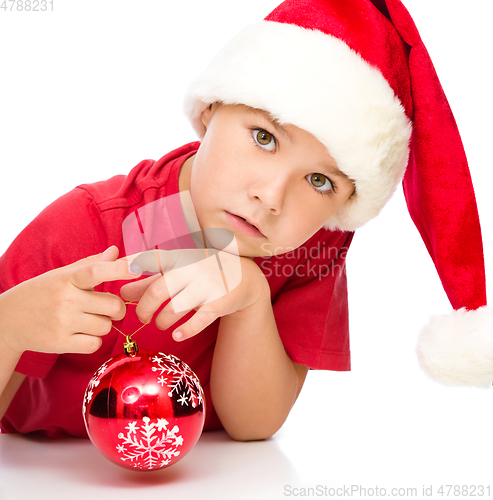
(281, 179)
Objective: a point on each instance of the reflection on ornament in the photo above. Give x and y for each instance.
(144, 411)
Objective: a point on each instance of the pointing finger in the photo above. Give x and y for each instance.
(152, 261)
(110, 254)
(162, 261)
(91, 275)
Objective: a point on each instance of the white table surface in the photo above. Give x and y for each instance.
(356, 431)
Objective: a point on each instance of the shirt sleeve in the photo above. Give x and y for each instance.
(311, 305)
(67, 230)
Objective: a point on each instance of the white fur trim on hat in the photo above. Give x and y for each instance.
(316, 82)
(457, 348)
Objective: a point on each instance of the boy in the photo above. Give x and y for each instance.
(348, 205)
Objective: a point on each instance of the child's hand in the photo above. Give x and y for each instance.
(213, 283)
(59, 312)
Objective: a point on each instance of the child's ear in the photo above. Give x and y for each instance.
(207, 115)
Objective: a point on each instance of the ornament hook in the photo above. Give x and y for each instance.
(130, 347)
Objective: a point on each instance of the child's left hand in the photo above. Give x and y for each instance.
(214, 283)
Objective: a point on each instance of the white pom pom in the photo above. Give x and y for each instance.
(457, 348)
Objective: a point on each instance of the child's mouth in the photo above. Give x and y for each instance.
(247, 222)
(244, 226)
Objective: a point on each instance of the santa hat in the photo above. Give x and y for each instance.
(356, 75)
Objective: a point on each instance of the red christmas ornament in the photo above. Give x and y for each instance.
(144, 410)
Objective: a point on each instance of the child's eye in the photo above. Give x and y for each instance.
(320, 182)
(265, 139)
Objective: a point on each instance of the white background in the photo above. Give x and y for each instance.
(92, 88)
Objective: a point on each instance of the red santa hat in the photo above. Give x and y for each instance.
(356, 75)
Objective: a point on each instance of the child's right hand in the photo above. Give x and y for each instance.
(59, 311)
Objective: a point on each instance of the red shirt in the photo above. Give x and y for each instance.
(308, 289)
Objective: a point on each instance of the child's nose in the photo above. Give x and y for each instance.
(270, 192)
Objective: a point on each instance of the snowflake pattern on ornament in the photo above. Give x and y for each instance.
(150, 445)
(178, 377)
(93, 383)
